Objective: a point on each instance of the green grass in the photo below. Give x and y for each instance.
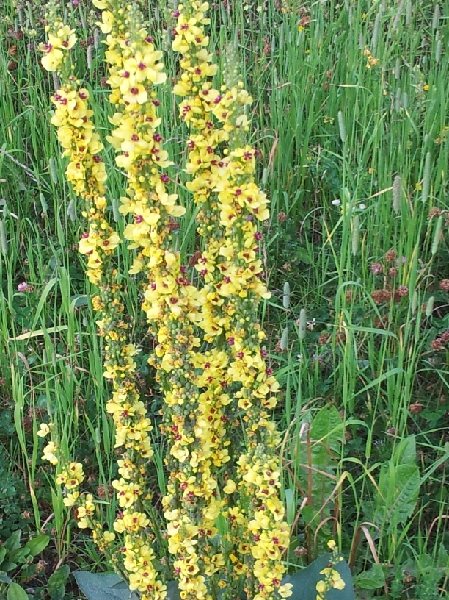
(353, 158)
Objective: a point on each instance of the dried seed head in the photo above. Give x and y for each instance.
(435, 212)
(323, 339)
(391, 255)
(380, 296)
(437, 344)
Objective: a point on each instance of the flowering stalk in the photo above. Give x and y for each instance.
(231, 206)
(87, 174)
(170, 301)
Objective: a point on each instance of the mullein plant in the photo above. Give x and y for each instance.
(238, 380)
(224, 519)
(86, 171)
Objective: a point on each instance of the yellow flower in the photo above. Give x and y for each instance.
(70, 499)
(44, 430)
(50, 453)
(108, 21)
(230, 487)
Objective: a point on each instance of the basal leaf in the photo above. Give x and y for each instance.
(16, 592)
(103, 586)
(37, 544)
(304, 581)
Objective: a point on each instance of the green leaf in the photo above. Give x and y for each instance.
(13, 542)
(15, 592)
(405, 451)
(37, 544)
(57, 582)
(318, 477)
(399, 487)
(173, 591)
(304, 581)
(2, 554)
(327, 427)
(104, 586)
(372, 579)
(19, 556)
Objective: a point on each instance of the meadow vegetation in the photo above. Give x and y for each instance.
(348, 132)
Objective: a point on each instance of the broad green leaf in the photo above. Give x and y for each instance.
(13, 542)
(15, 592)
(327, 427)
(399, 487)
(57, 583)
(2, 554)
(443, 558)
(318, 477)
(405, 451)
(304, 581)
(19, 556)
(372, 579)
(104, 586)
(37, 544)
(173, 591)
